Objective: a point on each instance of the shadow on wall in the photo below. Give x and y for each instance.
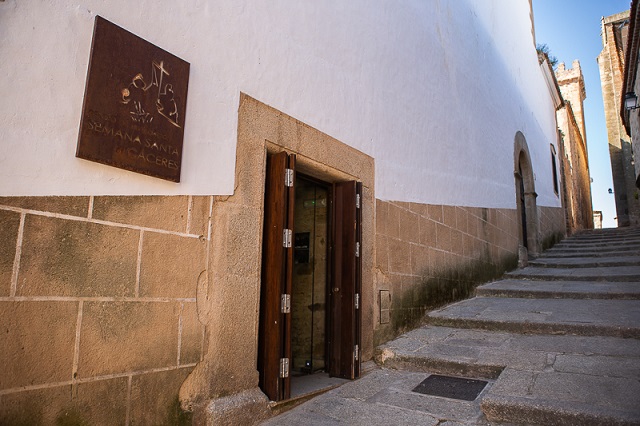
(450, 285)
(627, 195)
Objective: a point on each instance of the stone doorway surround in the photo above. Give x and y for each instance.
(223, 388)
(523, 172)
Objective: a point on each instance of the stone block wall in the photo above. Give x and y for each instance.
(552, 226)
(611, 65)
(98, 307)
(430, 255)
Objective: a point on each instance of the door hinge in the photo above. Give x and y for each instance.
(357, 300)
(285, 303)
(288, 177)
(357, 201)
(357, 249)
(284, 368)
(356, 352)
(286, 238)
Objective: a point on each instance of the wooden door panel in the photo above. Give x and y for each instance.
(274, 329)
(288, 279)
(344, 357)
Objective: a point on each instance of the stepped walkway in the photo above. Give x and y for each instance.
(557, 343)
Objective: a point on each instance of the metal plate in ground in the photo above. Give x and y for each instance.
(451, 387)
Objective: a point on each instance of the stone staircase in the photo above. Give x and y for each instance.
(558, 341)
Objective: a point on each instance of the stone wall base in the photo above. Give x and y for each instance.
(249, 407)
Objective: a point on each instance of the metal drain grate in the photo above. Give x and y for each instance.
(451, 387)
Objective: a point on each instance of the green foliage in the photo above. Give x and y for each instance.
(542, 48)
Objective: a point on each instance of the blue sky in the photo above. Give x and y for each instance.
(571, 29)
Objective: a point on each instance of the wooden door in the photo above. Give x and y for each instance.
(274, 342)
(345, 290)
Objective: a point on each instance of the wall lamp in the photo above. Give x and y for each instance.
(631, 101)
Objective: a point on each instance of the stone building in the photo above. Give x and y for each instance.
(631, 87)
(611, 62)
(342, 168)
(575, 159)
(597, 219)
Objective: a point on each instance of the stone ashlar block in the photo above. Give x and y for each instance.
(170, 265)
(457, 246)
(73, 258)
(436, 213)
(154, 398)
(191, 338)
(9, 225)
(443, 237)
(382, 213)
(399, 256)
(461, 219)
(200, 216)
(393, 221)
(118, 337)
(37, 342)
(427, 232)
(419, 259)
(100, 402)
(449, 216)
(385, 306)
(235, 245)
(382, 253)
(36, 407)
(167, 213)
(409, 226)
(73, 206)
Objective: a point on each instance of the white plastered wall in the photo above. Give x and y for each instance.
(434, 90)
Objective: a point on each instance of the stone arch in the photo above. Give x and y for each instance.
(526, 199)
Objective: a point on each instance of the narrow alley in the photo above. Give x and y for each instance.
(557, 342)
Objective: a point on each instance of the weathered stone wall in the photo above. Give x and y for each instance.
(429, 255)
(98, 307)
(611, 64)
(574, 157)
(552, 226)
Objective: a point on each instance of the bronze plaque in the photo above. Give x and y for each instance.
(134, 104)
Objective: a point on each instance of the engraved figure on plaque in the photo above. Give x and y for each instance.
(135, 104)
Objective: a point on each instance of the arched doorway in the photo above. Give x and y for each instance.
(525, 199)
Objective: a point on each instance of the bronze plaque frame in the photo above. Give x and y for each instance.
(134, 106)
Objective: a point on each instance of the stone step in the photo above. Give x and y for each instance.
(612, 273)
(612, 240)
(561, 290)
(621, 247)
(608, 233)
(585, 262)
(599, 239)
(539, 379)
(630, 247)
(555, 398)
(585, 317)
(586, 254)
